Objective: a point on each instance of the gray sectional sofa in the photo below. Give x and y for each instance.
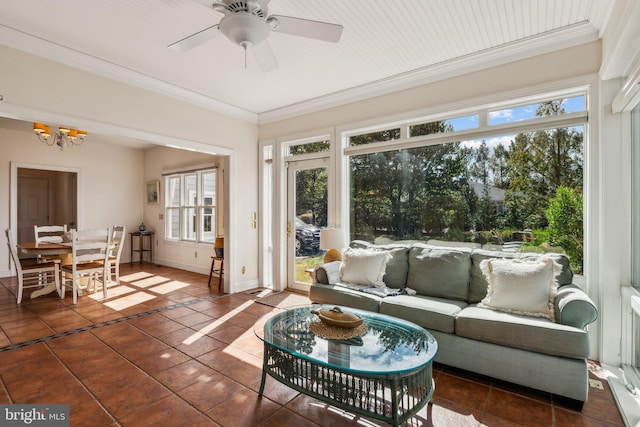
(442, 289)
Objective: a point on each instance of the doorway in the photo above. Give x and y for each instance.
(42, 196)
(307, 212)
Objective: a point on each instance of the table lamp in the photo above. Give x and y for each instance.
(332, 239)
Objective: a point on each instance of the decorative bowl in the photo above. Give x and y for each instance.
(338, 318)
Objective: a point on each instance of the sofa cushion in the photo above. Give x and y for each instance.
(395, 274)
(565, 276)
(363, 267)
(342, 294)
(431, 313)
(521, 287)
(439, 272)
(528, 333)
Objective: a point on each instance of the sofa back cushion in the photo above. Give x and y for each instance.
(439, 272)
(397, 266)
(478, 285)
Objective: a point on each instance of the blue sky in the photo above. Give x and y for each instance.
(510, 115)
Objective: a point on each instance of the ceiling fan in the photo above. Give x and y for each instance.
(245, 22)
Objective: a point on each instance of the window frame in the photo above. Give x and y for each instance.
(191, 209)
(483, 131)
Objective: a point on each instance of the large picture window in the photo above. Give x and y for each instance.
(191, 206)
(521, 189)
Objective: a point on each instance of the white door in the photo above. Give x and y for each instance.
(307, 191)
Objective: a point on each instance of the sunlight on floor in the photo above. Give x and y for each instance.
(218, 322)
(129, 300)
(135, 276)
(169, 287)
(149, 282)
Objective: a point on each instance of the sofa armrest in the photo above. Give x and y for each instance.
(328, 274)
(574, 307)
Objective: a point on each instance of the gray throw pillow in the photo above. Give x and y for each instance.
(439, 272)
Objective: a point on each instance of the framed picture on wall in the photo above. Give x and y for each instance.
(153, 192)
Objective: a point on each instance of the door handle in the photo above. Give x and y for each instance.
(288, 229)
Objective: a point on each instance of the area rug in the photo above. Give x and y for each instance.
(284, 300)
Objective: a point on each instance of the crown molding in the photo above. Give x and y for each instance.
(43, 48)
(548, 42)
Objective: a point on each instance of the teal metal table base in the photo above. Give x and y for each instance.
(392, 397)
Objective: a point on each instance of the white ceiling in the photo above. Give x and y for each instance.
(385, 44)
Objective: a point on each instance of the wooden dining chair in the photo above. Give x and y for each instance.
(32, 273)
(89, 260)
(115, 251)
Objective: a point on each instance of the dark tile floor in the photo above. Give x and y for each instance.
(194, 360)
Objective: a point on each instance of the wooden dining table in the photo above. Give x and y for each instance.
(45, 249)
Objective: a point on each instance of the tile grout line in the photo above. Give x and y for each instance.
(107, 323)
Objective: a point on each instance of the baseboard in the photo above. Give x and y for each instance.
(186, 267)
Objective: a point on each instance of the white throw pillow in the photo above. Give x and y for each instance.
(521, 287)
(363, 267)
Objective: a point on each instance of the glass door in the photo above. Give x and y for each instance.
(307, 211)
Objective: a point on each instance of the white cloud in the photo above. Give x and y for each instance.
(492, 143)
(502, 114)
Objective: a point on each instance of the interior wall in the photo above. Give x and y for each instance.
(35, 88)
(106, 172)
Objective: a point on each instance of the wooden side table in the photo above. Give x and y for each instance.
(141, 235)
(219, 271)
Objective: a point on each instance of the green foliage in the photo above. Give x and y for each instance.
(312, 196)
(431, 191)
(566, 225)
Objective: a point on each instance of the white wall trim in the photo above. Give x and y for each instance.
(13, 193)
(17, 39)
(552, 41)
(629, 95)
(20, 112)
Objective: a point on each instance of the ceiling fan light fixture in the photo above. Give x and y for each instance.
(244, 29)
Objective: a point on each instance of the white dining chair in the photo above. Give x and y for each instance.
(89, 260)
(49, 234)
(115, 251)
(32, 273)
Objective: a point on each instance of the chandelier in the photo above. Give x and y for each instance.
(64, 137)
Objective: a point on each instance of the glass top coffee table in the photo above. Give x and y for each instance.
(384, 373)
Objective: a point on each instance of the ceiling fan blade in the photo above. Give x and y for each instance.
(307, 28)
(195, 39)
(264, 56)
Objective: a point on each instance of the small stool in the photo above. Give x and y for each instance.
(218, 270)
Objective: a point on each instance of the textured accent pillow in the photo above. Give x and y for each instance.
(363, 267)
(521, 287)
(397, 268)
